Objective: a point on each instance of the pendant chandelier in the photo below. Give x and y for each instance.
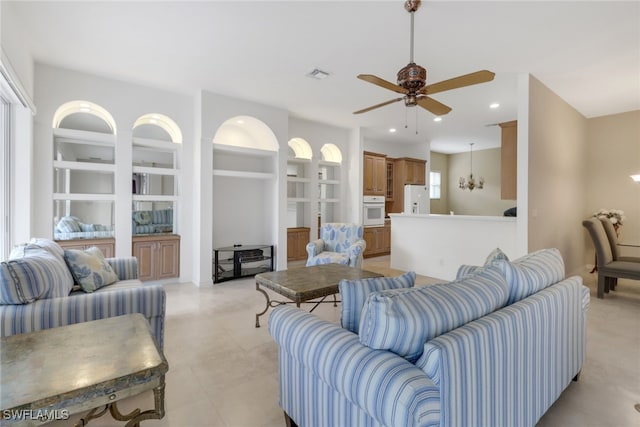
(470, 182)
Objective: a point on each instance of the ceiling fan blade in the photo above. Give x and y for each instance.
(460, 81)
(430, 104)
(382, 83)
(373, 107)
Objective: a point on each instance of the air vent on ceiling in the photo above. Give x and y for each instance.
(318, 74)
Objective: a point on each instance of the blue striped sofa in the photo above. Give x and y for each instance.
(62, 305)
(496, 347)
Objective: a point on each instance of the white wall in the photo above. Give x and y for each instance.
(436, 245)
(125, 102)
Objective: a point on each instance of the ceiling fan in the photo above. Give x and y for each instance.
(412, 80)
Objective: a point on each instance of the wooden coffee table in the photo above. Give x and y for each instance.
(307, 283)
(54, 373)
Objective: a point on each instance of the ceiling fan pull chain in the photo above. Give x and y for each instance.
(406, 118)
(416, 110)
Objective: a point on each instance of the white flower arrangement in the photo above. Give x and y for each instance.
(615, 216)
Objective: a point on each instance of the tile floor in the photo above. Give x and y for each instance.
(223, 370)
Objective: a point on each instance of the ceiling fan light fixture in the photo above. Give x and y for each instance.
(318, 74)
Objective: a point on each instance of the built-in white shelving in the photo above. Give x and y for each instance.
(241, 162)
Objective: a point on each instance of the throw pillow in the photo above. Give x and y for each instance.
(403, 321)
(37, 273)
(532, 273)
(496, 255)
(354, 293)
(68, 224)
(59, 280)
(142, 217)
(89, 268)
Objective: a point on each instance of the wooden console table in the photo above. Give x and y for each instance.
(54, 373)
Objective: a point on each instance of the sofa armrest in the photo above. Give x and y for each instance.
(125, 268)
(48, 313)
(314, 247)
(521, 356)
(385, 386)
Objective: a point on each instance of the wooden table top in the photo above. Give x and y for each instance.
(58, 367)
(307, 283)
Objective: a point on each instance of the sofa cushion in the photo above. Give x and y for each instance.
(89, 268)
(496, 255)
(33, 273)
(354, 293)
(402, 321)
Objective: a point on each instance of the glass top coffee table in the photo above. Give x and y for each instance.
(304, 284)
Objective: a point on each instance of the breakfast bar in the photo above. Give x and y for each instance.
(435, 245)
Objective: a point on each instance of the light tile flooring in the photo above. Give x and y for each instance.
(223, 370)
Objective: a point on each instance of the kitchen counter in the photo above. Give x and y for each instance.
(436, 245)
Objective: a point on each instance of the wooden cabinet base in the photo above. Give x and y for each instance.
(378, 241)
(158, 256)
(107, 245)
(297, 239)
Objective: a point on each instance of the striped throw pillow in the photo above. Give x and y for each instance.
(354, 293)
(37, 274)
(403, 321)
(532, 273)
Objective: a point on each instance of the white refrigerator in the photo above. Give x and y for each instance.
(416, 199)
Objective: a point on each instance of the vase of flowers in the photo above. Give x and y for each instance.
(614, 215)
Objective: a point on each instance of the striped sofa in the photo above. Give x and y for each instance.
(495, 347)
(32, 309)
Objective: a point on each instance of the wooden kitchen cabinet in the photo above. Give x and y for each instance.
(374, 174)
(378, 240)
(158, 256)
(297, 239)
(390, 165)
(509, 160)
(107, 245)
(406, 170)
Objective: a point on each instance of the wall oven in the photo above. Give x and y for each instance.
(373, 210)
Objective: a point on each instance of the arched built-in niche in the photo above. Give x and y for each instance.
(246, 132)
(84, 174)
(329, 178)
(157, 126)
(299, 149)
(155, 155)
(298, 195)
(84, 115)
(245, 191)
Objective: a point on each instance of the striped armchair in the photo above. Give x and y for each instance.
(452, 354)
(32, 307)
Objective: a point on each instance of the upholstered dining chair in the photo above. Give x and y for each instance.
(612, 236)
(339, 243)
(609, 269)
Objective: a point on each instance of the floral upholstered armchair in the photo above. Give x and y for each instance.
(339, 243)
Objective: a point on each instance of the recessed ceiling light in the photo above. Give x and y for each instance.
(494, 105)
(392, 130)
(318, 74)
(239, 121)
(85, 109)
(437, 119)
